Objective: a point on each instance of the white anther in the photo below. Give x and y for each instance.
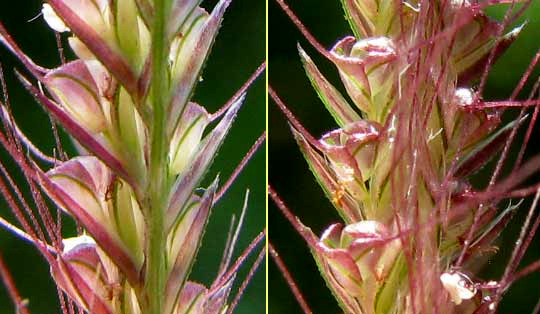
(458, 285)
(464, 97)
(72, 243)
(53, 20)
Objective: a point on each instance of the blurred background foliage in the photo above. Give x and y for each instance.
(291, 177)
(238, 51)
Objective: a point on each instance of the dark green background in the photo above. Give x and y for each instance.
(290, 176)
(238, 51)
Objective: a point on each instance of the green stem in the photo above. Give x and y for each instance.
(155, 267)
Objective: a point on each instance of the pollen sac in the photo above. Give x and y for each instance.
(458, 285)
(53, 20)
(465, 123)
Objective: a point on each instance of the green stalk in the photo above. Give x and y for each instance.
(155, 268)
